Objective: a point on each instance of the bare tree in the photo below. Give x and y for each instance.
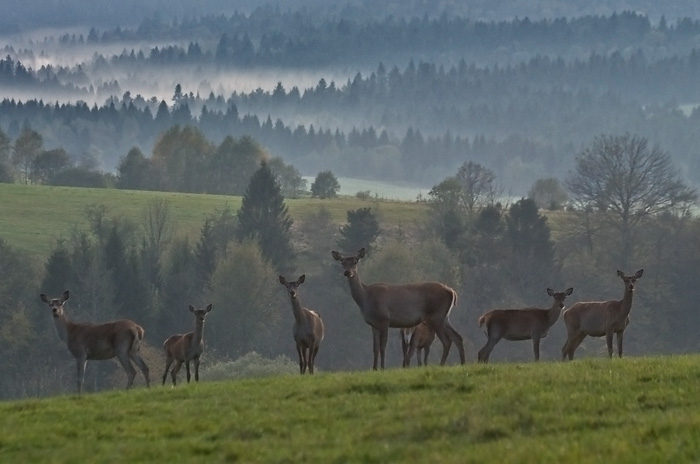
(479, 186)
(158, 230)
(625, 181)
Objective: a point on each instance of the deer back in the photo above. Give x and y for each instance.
(103, 341)
(409, 304)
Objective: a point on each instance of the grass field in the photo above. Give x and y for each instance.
(33, 217)
(623, 411)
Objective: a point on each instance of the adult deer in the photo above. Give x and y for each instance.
(418, 339)
(600, 318)
(308, 327)
(186, 348)
(521, 324)
(121, 339)
(402, 306)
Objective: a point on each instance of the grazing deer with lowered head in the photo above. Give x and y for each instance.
(521, 324)
(121, 339)
(308, 327)
(600, 318)
(186, 348)
(402, 306)
(418, 339)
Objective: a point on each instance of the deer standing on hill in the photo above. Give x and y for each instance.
(402, 306)
(186, 348)
(308, 327)
(521, 324)
(121, 339)
(600, 318)
(418, 338)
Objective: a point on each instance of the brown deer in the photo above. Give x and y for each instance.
(121, 339)
(308, 327)
(600, 318)
(521, 324)
(402, 306)
(186, 348)
(418, 338)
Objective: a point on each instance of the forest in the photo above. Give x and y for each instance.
(559, 146)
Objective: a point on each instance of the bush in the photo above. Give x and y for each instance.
(249, 366)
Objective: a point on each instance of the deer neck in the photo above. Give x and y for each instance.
(63, 326)
(358, 290)
(626, 303)
(553, 314)
(297, 309)
(198, 333)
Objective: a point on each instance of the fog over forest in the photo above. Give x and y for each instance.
(533, 87)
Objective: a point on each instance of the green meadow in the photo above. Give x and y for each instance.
(626, 410)
(33, 217)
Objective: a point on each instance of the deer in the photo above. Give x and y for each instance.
(521, 324)
(402, 306)
(186, 348)
(121, 339)
(600, 318)
(308, 327)
(418, 338)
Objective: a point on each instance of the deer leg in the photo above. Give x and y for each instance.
(485, 351)
(426, 352)
(457, 339)
(574, 343)
(619, 343)
(187, 369)
(300, 353)
(375, 347)
(404, 348)
(609, 342)
(536, 348)
(196, 368)
(312, 360)
(440, 330)
(128, 367)
(383, 336)
(168, 363)
(136, 357)
(176, 369)
(81, 363)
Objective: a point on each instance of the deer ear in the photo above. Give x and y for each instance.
(550, 292)
(301, 279)
(44, 298)
(569, 291)
(66, 295)
(361, 253)
(620, 274)
(336, 256)
(639, 273)
(283, 281)
(208, 307)
(191, 308)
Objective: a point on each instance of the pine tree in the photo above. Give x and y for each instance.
(361, 231)
(264, 218)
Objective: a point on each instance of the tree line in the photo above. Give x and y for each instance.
(627, 208)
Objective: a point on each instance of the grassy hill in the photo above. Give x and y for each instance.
(624, 411)
(33, 217)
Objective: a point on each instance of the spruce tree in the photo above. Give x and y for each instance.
(264, 218)
(361, 231)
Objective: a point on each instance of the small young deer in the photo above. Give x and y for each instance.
(521, 324)
(418, 339)
(600, 318)
(183, 348)
(308, 327)
(99, 342)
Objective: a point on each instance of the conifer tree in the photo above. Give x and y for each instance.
(264, 218)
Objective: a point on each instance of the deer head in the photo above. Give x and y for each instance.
(560, 297)
(349, 263)
(630, 280)
(293, 286)
(56, 304)
(200, 314)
